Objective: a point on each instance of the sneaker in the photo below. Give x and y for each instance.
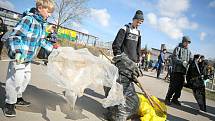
(167, 102)
(9, 110)
(176, 102)
(22, 102)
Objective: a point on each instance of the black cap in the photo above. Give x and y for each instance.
(138, 15)
(196, 56)
(186, 39)
(202, 57)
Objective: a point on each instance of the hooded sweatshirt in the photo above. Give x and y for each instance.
(179, 56)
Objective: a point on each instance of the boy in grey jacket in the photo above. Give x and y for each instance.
(181, 58)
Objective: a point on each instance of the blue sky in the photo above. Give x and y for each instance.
(166, 21)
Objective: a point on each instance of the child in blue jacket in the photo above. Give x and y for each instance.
(24, 40)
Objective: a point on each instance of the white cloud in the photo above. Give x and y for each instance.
(202, 36)
(152, 19)
(212, 4)
(184, 23)
(172, 20)
(168, 26)
(171, 26)
(6, 4)
(101, 16)
(173, 8)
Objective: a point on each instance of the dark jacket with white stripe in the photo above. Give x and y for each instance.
(128, 41)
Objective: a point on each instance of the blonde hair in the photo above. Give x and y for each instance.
(46, 4)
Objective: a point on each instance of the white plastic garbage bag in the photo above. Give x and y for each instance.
(75, 70)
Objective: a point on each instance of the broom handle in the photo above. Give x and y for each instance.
(152, 102)
(140, 86)
(106, 56)
(146, 94)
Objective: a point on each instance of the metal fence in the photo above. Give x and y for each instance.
(210, 85)
(11, 18)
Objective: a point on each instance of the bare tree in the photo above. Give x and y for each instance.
(68, 11)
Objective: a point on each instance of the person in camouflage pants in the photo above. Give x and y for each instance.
(126, 49)
(128, 73)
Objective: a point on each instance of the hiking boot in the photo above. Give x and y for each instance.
(9, 110)
(22, 102)
(176, 102)
(167, 102)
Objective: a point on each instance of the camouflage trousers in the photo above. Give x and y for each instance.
(130, 108)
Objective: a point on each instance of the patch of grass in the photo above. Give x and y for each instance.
(210, 95)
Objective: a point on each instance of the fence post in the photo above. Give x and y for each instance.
(87, 39)
(212, 84)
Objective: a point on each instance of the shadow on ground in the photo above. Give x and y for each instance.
(210, 110)
(93, 93)
(43, 100)
(175, 118)
(192, 108)
(156, 77)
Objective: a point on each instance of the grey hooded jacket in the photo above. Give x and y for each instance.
(181, 57)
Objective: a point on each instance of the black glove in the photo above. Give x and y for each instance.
(137, 71)
(127, 67)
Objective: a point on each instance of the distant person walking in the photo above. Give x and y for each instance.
(161, 62)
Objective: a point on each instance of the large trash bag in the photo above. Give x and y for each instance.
(149, 113)
(76, 70)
